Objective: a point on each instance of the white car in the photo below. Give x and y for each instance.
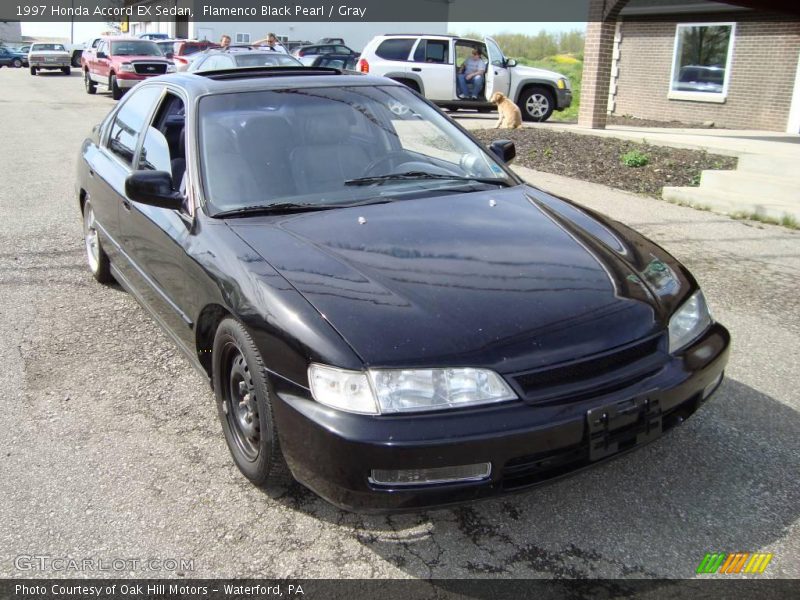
(429, 65)
(49, 56)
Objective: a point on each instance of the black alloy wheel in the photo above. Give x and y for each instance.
(244, 406)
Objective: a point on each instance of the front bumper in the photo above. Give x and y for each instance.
(563, 99)
(333, 452)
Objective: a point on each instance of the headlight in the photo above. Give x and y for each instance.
(127, 68)
(563, 84)
(406, 390)
(170, 68)
(688, 322)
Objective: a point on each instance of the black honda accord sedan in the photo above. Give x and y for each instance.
(384, 310)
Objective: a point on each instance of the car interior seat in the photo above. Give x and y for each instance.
(328, 155)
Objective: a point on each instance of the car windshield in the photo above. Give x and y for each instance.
(267, 60)
(135, 48)
(323, 146)
(48, 48)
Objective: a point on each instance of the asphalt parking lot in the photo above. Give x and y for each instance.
(111, 447)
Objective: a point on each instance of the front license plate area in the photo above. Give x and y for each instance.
(622, 425)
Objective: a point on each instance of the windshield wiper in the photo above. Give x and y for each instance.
(268, 209)
(422, 175)
(291, 207)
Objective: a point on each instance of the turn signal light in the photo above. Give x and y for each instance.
(363, 65)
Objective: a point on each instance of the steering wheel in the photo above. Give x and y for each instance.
(387, 159)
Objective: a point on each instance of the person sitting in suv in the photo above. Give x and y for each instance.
(471, 75)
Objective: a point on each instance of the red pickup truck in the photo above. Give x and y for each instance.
(121, 62)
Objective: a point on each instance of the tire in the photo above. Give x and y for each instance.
(91, 86)
(244, 406)
(536, 103)
(33, 70)
(98, 261)
(116, 91)
(66, 70)
(16, 63)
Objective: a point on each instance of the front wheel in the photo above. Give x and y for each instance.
(536, 104)
(16, 63)
(116, 91)
(66, 70)
(33, 70)
(91, 86)
(244, 406)
(95, 255)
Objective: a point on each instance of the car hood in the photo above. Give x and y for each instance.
(490, 278)
(523, 71)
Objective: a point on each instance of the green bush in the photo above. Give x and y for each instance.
(634, 158)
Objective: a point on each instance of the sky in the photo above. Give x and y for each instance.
(85, 31)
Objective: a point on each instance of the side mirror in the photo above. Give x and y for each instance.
(170, 55)
(504, 150)
(511, 62)
(153, 188)
(102, 54)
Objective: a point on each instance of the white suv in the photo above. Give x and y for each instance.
(429, 65)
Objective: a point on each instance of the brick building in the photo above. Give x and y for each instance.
(730, 63)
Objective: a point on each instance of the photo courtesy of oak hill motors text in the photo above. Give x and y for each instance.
(146, 11)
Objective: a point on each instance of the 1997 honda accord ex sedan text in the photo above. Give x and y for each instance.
(385, 311)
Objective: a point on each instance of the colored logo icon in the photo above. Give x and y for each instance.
(738, 562)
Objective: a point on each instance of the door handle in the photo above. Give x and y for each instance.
(417, 69)
(91, 173)
(126, 204)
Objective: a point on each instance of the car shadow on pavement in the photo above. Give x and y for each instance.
(725, 481)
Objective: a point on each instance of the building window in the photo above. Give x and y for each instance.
(242, 38)
(701, 63)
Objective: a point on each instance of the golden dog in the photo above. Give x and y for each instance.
(510, 116)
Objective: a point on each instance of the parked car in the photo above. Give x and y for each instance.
(49, 57)
(220, 59)
(698, 78)
(119, 63)
(383, 308)
(330, 40)
(293, 45)
(307, 54)
(428, 64)
(182, 52)
(12, 58)
(152, 36)
(24, 49)
(345, 62)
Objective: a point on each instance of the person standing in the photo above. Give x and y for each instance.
(225, 41)
(271, 42)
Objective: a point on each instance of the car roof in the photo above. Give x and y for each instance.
(122, 38)
(267, 78)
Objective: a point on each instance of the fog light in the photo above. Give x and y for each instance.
(709, 389)
(431, 476)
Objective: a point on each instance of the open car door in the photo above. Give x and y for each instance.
(498, 77)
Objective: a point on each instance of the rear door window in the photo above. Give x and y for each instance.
(395, 48)
(432, 51)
